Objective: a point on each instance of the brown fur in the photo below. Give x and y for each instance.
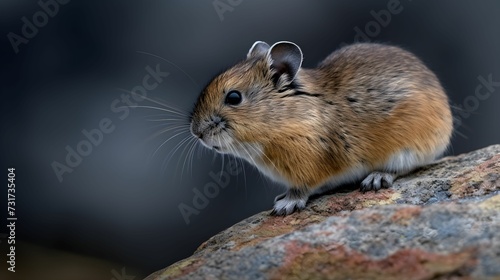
(363, 103)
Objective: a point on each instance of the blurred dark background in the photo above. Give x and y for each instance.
(119, 207)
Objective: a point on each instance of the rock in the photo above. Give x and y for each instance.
(440, 222)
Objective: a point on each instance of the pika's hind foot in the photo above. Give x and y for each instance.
(289, 202)
(377, 180)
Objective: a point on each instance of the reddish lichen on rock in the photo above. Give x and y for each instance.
(404, 215)
(336, 261)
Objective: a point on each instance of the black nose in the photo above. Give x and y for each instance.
(200, 135)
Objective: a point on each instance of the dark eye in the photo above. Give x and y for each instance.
(233, 98)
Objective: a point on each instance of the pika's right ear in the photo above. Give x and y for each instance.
(286, 58)
(258, 48)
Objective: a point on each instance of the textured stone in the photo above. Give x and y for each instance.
(440, 222)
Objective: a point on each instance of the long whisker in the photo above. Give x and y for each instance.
(176, 148)
(261, 176)
(257, 151)
(178, 128)
(214, 157)
(171, 154)
(200, 152)
(189, 145)
(242, 164)
(219, 139)
(249, 155)
(169, 119)
(156, 108)
(163, 115)
(170, 138)
(169, 126)
(155, 101)
(191, 152)
(245, 148)
(171, 63)
(233, 149)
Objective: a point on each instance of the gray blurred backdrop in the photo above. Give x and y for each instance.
(120, 203)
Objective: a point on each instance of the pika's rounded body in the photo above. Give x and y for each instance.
(367, 111)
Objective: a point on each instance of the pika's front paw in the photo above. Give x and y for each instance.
(377, 180)
(289, 202)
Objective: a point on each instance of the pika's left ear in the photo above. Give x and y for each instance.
(286, 58)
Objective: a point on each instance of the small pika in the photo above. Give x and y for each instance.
(369, 112)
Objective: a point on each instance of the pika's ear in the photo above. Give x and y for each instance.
(258, 48)
(286, 58)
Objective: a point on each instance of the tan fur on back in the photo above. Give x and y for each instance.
(364, 103)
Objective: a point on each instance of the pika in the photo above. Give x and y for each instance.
(368, 112)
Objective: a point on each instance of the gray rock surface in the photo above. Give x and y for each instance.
(440, 222)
